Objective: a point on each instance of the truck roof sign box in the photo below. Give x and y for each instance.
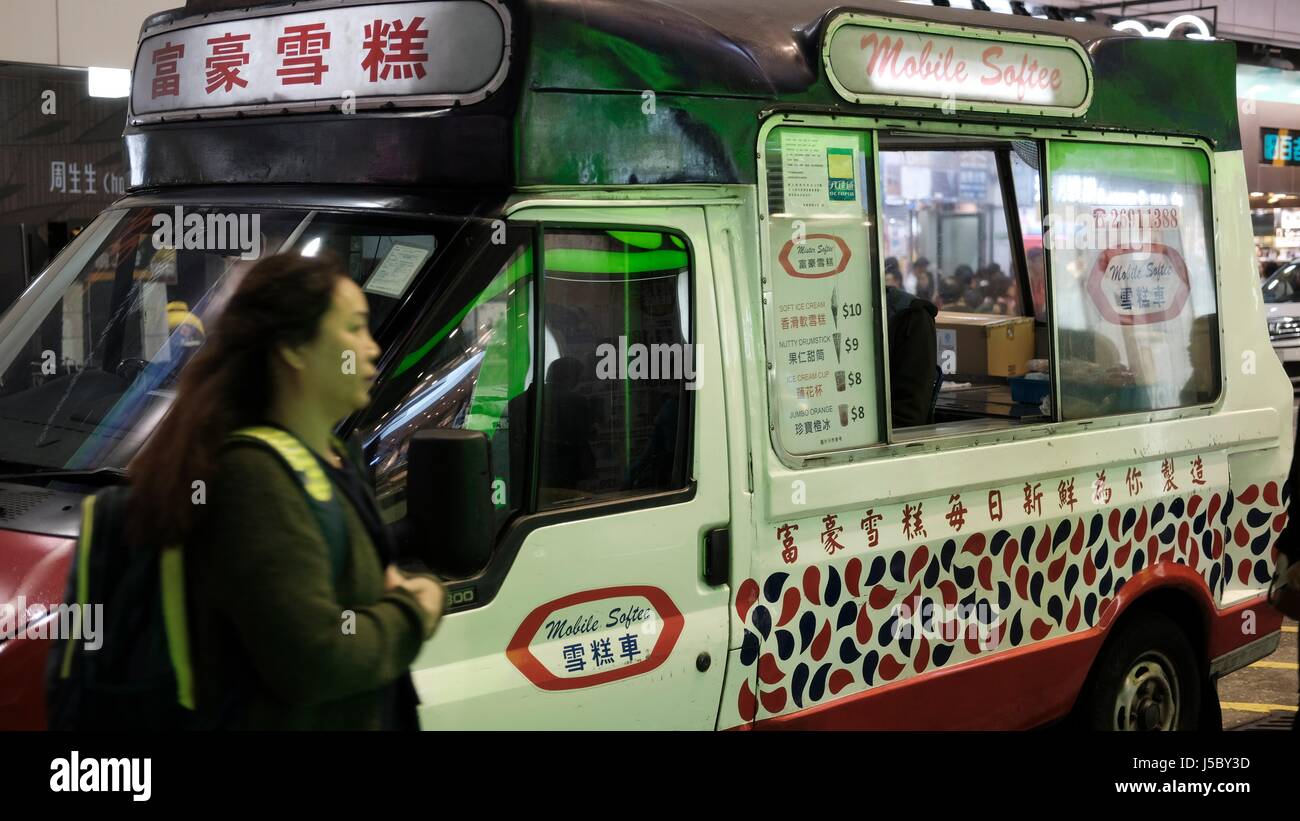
(321, 56)
(885, 61)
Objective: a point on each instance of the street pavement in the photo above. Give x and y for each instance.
(1265, 689)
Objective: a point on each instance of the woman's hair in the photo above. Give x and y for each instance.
(227, 385)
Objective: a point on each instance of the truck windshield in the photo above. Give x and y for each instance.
(90, 355)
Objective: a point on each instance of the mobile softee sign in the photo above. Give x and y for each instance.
(896, 62)
(406, 53)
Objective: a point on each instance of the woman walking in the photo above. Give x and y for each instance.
(298, 619)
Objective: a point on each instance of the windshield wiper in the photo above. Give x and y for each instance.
(102, 475)
(8, 465)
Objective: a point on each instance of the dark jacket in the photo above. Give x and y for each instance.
(1288, 542)
(913, 357)
(271, 644)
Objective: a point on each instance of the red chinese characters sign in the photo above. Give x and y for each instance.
(364, 55)
(395, 49)
(303, 49)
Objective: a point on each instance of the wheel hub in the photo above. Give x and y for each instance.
(1148, 697)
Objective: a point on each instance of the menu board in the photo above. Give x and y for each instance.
(818, 298)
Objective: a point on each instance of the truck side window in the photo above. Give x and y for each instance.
(959, 224)
(617, 365)
(466, 365)
(1132, 278)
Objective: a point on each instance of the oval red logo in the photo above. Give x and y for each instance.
(596, 636)
(1139, 285)
(817, 256)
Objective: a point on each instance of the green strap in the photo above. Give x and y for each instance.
(172, 569)
(314, 480)
(83, 580)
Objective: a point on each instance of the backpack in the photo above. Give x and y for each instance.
(134, 672)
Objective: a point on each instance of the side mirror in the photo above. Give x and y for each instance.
(449, 501)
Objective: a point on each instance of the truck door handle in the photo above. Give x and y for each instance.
(717, 556)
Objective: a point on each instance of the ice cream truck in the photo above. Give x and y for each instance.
(747, 363)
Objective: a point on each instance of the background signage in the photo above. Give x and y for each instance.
(1279, 147)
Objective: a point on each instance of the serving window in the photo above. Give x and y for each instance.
(919, 286)
(961, 231)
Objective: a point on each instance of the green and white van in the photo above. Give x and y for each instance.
(641, 271)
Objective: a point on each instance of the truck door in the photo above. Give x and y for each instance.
(594, 611)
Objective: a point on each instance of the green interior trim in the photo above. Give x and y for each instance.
(648, 240)
(503, 375)
(83, 579)
(1168, 164)
(585, 261)
(172, 568)
(677, 241)
(521, 266)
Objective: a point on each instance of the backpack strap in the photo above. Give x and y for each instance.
(171, 572)
(322, 500)
(82, 571)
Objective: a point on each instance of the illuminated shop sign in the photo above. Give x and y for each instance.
(1279, 147)
(895, 62)
(362, 56)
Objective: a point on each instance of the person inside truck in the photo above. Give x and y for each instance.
(1037, 264)
(974, 301)
(920, 268)
(912, 357)
(893, 274)
(924, 287)
(952, 289)
(566, 448)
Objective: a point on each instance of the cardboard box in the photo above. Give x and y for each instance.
(986, 344)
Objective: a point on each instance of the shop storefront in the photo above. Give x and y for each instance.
(63, 165)
(1269, 108)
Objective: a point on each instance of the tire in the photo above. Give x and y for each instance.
(1146, 678)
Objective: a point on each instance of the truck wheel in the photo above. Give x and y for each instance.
(1147, 678)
